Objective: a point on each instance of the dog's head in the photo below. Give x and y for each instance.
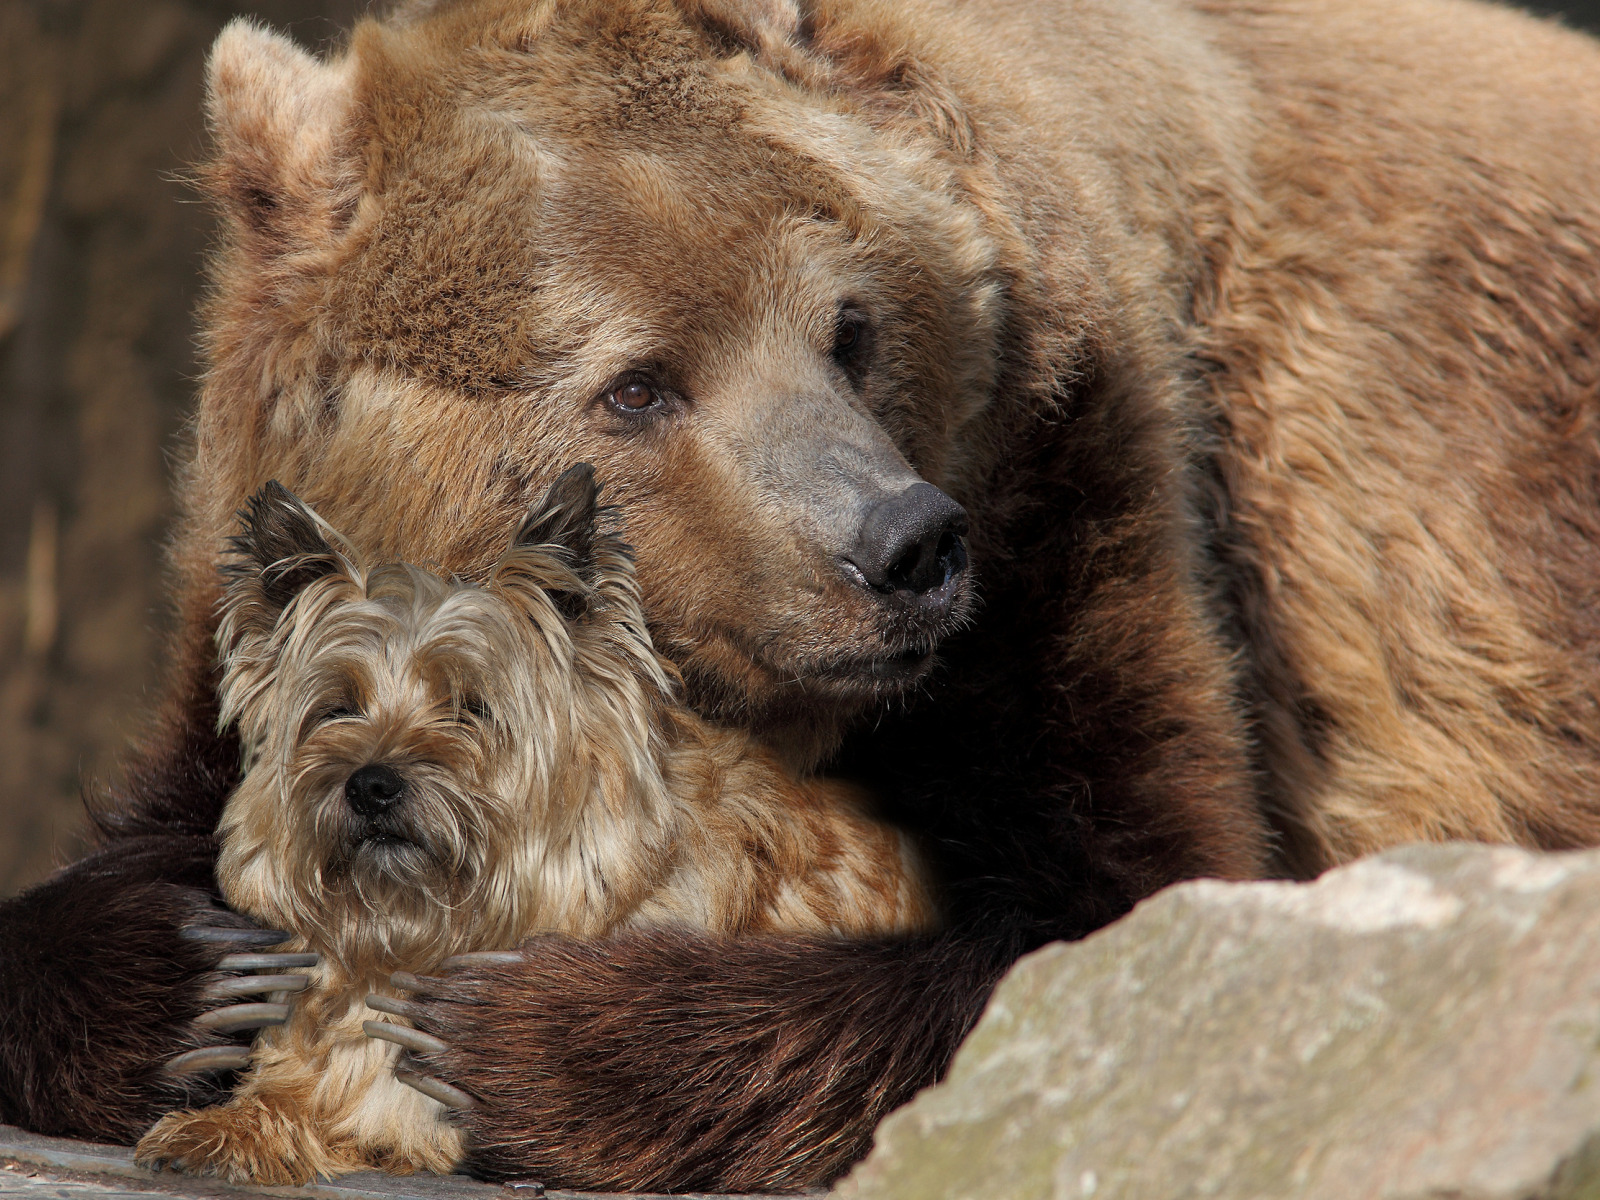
(417, 748)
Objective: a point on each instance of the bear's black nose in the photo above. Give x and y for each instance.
(374, 790)
(912, 544)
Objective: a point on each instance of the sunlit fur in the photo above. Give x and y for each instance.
(552, 784)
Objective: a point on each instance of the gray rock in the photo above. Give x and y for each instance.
(34, 1167)
(1421, 1024)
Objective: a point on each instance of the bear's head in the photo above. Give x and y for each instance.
(762, 287)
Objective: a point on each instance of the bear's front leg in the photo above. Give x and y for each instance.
(668, 1062)
(109, 971)
(250, 1139)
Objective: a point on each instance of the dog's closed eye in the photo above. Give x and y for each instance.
(474, 707)
(316, 718)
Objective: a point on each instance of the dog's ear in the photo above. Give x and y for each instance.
(566, 521)
(565, 518)
(281, 545)
(570, 524)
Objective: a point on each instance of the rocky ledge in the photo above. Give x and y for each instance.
(1421, 1024)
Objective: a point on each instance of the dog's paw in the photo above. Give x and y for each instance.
(244, 968)
(240, 1142)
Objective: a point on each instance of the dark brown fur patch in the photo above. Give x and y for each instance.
(593, 1038)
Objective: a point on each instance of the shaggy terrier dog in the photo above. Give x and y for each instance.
(435, 768)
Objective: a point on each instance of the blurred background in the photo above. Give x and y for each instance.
(100, 252)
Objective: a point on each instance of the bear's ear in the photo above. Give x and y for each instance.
(279, 550)
(879, 61)
(759, 26)
(566, 520)
(281, 127)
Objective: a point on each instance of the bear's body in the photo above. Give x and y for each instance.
(1261, 343)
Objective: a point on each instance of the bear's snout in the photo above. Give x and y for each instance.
(912, 546)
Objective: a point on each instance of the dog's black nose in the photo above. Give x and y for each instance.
(912, 543)
(374, 790)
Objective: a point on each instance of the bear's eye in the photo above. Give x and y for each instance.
(633, 397)
(849, 338)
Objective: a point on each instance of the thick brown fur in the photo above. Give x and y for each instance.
(836, 1035)
(1261, 342)
(100, 986)
(539, 777)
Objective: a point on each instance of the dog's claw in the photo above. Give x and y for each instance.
(436, 1089)
(254, 985)
(266, 962)
(396, 1008)
(243, 1016)
(210, 1058)
(411, 1039)
(217, 935)
(482, 958)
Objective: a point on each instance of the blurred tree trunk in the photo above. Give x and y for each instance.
(100, 250)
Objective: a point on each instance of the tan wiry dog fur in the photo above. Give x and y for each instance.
(541, 778)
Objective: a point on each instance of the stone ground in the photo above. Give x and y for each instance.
(41, 1168)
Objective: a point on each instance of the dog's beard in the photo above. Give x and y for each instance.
(402, 889)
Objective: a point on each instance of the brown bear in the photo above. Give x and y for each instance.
(1138, 438)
